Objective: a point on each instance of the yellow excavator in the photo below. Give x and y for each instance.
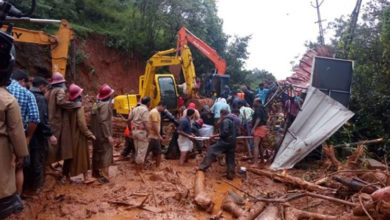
(59, 43)
(162, 87)
(159, 86)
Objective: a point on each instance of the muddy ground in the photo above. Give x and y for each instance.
(167, 193)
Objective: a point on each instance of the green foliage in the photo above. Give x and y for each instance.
(258, 76)
(370, 98)
(143, 27)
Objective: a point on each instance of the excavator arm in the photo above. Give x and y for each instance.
(59, 43)
(185, 37)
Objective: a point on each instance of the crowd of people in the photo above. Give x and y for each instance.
(239, 113)
(43, 123)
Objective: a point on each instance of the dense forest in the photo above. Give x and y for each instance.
(370, 51)
(142, 27)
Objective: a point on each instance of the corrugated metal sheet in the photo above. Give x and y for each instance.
(320, 117)
(302, 72)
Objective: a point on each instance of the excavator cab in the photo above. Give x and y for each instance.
(219, 83)
(164, 90)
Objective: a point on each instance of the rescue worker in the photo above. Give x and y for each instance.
(259, 130)
(12, 139)
(129, 144)
(192, 105)
(185, 135)
(29, 112)
(226, 144)
(249, 96)
(155, 136)
(34, 172)
(102, 129)
(139, 118)
(80, 135)
(59, 121)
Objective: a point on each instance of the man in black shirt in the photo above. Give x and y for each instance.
(226, 144)
(34, 172)
(249, 95)
(259, 129)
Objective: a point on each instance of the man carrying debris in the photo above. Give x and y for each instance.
(226, 144)
(102, 129)
(155, 137)
(29, 112)
(139, 118)
(59, 121)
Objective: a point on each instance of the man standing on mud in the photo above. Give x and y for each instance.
(12, 139)
(34, 173)
(185, 135)
(29, 112)
(155, 137)
(59, 121)
(139, 119)
(102, 129)
(226, 144)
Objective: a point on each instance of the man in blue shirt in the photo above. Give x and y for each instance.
(262, 93)
(218, 106)
(28, 109)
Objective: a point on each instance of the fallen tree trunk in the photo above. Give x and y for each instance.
(366, 142)
(230, 206)
(253, 212)
(292, 180)
(270, 213)
(296, 214)
(201, 197)
(236, 198)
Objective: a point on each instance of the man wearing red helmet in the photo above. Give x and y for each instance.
(102, 129)
(80, 135)
(59, 120)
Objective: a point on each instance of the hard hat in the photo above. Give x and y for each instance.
(105, 91)
(74, 91)
(57, 78)
(192, 105)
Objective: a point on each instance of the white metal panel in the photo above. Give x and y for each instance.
(320, 117)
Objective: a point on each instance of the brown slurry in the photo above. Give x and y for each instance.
(169, 190)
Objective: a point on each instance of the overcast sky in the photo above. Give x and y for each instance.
(279, 29)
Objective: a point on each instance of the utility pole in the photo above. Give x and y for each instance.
(319, 21)
(354, 19)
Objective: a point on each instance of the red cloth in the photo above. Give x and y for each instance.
(261, 131)
(180, 102)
